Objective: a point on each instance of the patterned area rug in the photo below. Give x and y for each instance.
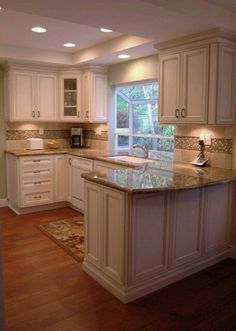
(67, 233)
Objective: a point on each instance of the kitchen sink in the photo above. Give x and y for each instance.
(130, 159)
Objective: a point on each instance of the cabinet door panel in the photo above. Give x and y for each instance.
(99, 106)
(113, 241)
(227, 86)
(186, 245)
(149, 234)
(23, 96)
(169, 88)
(60, 176)
(93, 224)
(46, 91)
(217, 219)
(195, 85)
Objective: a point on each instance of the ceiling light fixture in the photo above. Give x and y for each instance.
(69, 45)
(123, 56)
(105, 30)
(38, 29)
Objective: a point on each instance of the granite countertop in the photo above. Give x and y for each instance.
(159, 175)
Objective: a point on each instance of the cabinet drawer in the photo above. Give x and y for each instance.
(33, 162)
(34, 199)
(36, 185)
(36, 174)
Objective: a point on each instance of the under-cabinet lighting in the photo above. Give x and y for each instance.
(69, 45)
(38, 29)
(105, 30)
(123, 56)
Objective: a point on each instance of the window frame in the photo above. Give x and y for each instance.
(129, 131)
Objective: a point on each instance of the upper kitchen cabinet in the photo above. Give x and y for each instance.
(31, 95)
(94, 94)
(70, 97)
(197, 79)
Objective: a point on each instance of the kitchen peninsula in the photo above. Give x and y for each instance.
(154, 225)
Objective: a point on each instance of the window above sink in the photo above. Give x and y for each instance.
(136, 120)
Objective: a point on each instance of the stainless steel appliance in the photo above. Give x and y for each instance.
(76, 139)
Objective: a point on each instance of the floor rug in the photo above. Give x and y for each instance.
(67, 233)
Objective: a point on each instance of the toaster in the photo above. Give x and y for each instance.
(34, 143)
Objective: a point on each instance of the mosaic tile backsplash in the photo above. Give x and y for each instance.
(218, 145)
(52, 134)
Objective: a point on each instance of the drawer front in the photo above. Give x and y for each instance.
(33, 162)
(81, 163)
(36, 199)
(36, 185)
(36, 174)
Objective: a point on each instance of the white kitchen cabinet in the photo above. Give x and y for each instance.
(60, 178)
(77, 166)
(32, 95)
(30, 180)
(222, 93)
(136, 243)
(94, 95)
(198, 79)
(105, 228)
(184, 86)
(70, 97)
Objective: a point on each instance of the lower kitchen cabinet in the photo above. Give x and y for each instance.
(77, 166)
(30, 180)
(137, 243)
(60, 178)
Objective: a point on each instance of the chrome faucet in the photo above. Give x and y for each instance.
(144, 148)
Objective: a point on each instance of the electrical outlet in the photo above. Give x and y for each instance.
(207, 139)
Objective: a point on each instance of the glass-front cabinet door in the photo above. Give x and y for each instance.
(70, 97)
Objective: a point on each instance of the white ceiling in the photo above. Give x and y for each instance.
(138, 24)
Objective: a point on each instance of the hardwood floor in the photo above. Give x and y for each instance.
(46, 289)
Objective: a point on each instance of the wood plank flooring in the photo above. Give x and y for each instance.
(46, 289)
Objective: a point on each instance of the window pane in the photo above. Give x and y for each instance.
(140, 92)
(145, 118)
(122, 113)
(123, 141)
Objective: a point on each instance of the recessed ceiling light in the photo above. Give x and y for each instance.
(105, 30)
(123, 56)
(0, 8)
(38, 29)
(69, 45)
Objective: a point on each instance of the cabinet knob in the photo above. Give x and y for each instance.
(78, 113)
(177, 112)
(183, 112)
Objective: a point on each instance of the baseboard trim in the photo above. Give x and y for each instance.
(3, 203)
(29, 210)
(233, 252)
(132, 293)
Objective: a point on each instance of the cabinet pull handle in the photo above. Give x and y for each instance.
(183, 112)
(78, 114)
(36, 160)
(38, 113)
(69, 161)
(177, 112)
(36, 172)
(33, 113)
(87, 114)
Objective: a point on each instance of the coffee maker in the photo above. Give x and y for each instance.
(76, 139)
